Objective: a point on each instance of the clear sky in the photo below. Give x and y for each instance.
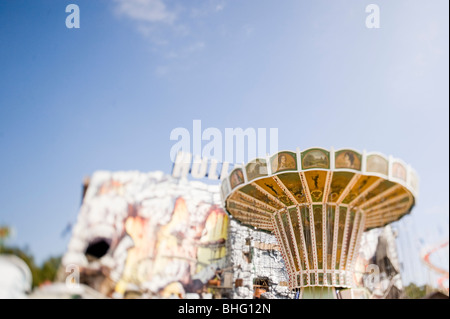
(107, 95)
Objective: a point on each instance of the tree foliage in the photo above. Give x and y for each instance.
(42, 274)
(412, 291)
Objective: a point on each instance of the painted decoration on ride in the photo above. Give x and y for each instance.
(236, 178)
(164, 255)
(283, 161)
(144, 234)
(399, 171)
(315, 158)
(377, 164)
(316, 184)
(348, 159)
(292, 182)
(256, 168)
(338, 185)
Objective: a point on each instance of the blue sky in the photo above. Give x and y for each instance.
(107, 95)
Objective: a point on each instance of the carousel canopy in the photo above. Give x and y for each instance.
(318, 202)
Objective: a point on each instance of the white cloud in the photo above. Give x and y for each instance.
(248, 30)
(161, 70)
(172, 28)
(220, 7)
(145, 11)
(207, 8)
(197, 46)
(186, 51)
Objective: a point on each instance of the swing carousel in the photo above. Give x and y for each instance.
(318, 203)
